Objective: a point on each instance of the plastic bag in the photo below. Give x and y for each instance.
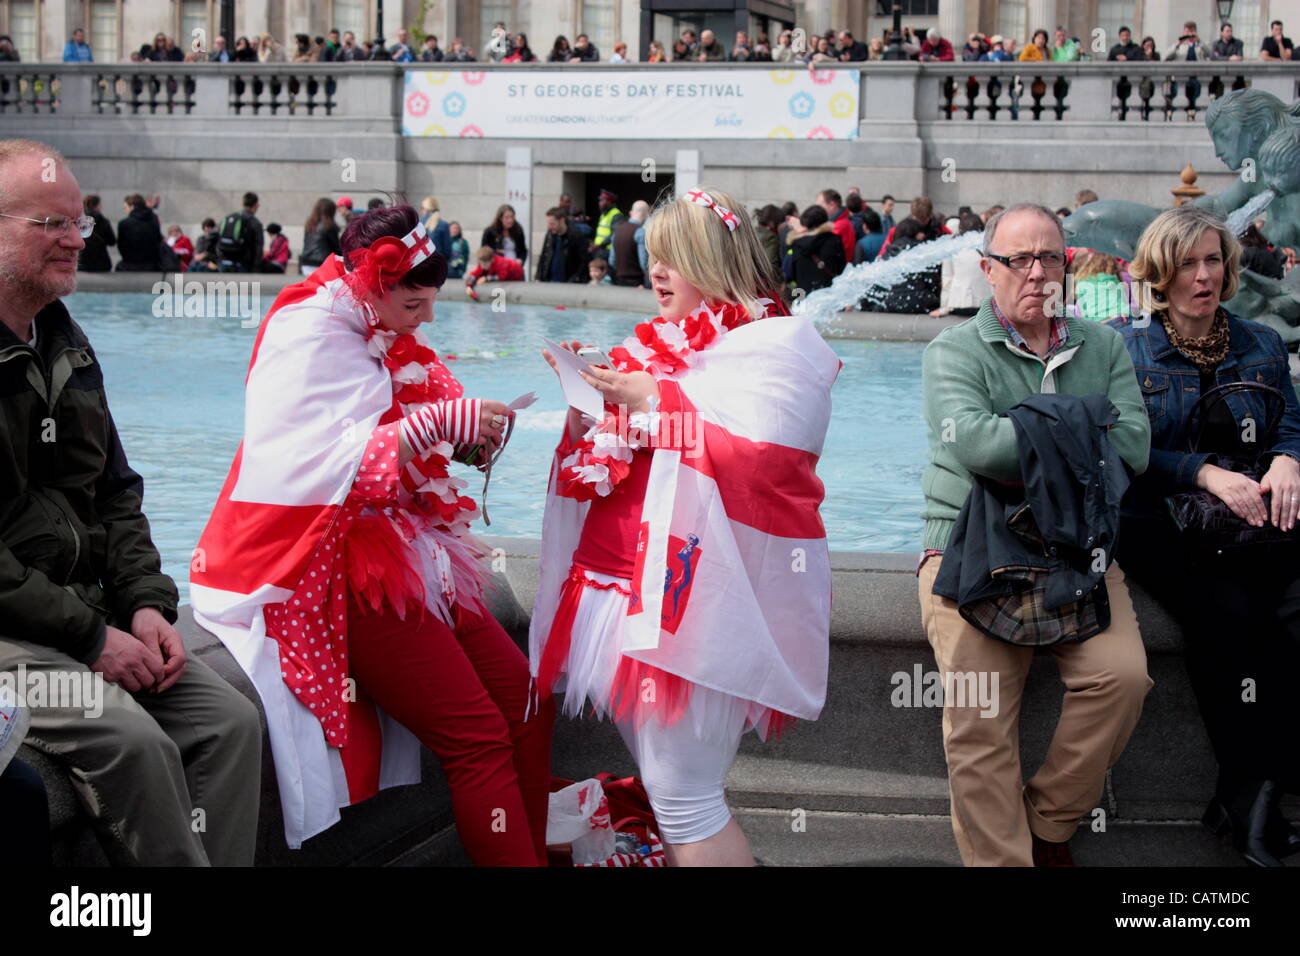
(579, 816)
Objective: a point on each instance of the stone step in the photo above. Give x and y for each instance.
(838, 838)
(826, 838)
(881, 757)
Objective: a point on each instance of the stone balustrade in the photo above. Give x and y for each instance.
(920, 92)
(960, 133)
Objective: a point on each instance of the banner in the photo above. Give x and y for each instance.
(632, 104)
(519, 185)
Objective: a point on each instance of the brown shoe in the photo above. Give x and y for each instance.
(1047, 853)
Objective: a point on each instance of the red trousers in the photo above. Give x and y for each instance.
(463, 693)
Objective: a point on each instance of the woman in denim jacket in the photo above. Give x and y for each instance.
(1239, 613)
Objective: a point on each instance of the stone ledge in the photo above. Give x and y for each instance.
(878, 326)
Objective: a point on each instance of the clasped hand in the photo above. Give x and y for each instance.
(1244, 496)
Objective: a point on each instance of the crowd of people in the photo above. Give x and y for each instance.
(809, 248)
(1027, 408)
(790, 46)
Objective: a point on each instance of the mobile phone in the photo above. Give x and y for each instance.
(594, 356)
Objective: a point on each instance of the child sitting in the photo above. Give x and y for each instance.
(459, 253)
(277, 254)
(598, 270)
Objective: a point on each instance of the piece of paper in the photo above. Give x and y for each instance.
(523, 401)
(577, 391)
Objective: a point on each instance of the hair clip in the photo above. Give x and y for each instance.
(701, 198)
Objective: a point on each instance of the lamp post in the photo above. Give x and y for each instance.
(1225, 10)
(227, 24)
(895, 49)
(380, 52)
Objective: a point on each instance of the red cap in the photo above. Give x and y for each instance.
(345, 201)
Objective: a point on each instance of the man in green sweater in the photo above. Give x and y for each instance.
(1018, 344)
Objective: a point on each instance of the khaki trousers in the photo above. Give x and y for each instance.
(993, 811)
(167, 779)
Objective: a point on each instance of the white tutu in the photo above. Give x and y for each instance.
(591, 673)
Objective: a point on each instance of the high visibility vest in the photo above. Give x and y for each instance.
(605, 226)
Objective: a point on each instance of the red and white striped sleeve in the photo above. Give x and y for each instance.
(456, 422)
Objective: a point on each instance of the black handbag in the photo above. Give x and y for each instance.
(1203, 516)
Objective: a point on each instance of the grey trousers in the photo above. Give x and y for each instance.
(168, 779)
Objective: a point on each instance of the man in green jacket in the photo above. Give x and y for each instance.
(1018, 344)
(167, 764)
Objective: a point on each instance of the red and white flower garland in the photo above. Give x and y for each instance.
(420, 378)
(602, 457)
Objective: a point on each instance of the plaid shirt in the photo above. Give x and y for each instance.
(1022, 617)
(1060, 332)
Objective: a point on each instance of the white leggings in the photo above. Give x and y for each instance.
(684, 766)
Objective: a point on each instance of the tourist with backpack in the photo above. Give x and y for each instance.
(240, 246)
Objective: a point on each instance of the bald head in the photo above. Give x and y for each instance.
(16, 156)
(38, 263)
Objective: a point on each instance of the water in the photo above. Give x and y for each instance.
(864, 279)
(176, 389)
(1239, 219)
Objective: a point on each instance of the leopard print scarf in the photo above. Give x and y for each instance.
(1206, 351)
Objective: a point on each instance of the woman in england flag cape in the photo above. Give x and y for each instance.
(338, 567)
(685, 578)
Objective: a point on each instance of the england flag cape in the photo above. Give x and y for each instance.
(732, 485)
(314, 395)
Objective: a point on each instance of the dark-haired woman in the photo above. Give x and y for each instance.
(506, 236)
(560, 51)
(320, 236)
(339, 569)
(520, 51)
(1238, 608)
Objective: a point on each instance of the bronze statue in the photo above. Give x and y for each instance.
(1258, 136)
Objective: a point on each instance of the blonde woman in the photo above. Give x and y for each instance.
(268, 51)
(666, 598)
(1099, 291)
(657, 53)
(439, 231)
(1239, 608)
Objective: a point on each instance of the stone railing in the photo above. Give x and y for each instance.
(1090, 92)
(1094, 92)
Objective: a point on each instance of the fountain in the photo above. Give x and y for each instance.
(1253, 132)
(865, 278)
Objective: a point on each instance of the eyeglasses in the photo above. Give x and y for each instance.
(1023, 261)
(58, 225)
